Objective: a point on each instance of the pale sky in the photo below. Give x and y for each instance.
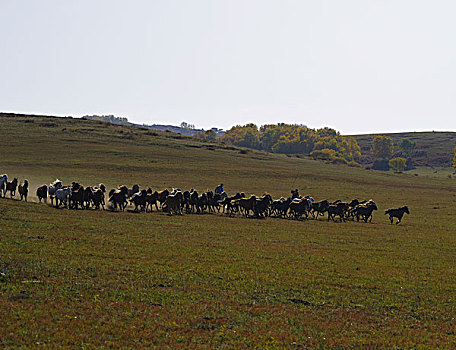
(357, 66)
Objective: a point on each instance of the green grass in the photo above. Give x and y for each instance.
(103, 279)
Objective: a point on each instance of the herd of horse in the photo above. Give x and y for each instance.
(178, 202)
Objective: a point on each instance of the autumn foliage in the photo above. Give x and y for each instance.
(325, 143)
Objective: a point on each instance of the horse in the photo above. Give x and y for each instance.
(11, 187)
(245, 205)
(279, 207)
(42, 193)
(119, 197)
(98, 198)
(365, 211)
(185, 204)
(213, 201)
(192, 200)
(133, 190)
(201, 203)
(151, 199)
(23, 190)
(77, 196)
(62, 195)
(139, 199)
(319, 208)
(173, 203)
(298, 207)
(52, 189)
(225, 201)
(337, 208)
(262, 205)
(162, 195)
(3, 182)
(397, 213)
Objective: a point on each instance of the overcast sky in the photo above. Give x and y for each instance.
(357, 66)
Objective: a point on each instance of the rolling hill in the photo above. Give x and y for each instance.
(86, 278)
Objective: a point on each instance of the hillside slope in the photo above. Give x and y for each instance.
(45, 148)
(432, 148)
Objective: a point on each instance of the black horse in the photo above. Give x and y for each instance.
(11, 187)
(42, 193)
(397, 213)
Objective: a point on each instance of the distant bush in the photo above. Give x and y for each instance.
(397, 164)
(331, 156)
(323, 154)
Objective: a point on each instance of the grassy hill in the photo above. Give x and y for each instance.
(435, 149)
(82, 278)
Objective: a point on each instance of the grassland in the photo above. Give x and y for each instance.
(102, 279)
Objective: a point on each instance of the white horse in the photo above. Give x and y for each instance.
(3, 181)
(62, 195)
(52, 189)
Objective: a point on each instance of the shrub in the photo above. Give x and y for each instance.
(397, 164)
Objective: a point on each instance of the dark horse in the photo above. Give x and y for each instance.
(23, 190)
(397, 213)
(41, 193)
(119, 197)
(11, 187)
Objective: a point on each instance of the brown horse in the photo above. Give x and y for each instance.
(364, 211)
(173, 203)
(298, 208)
(246, 205)
(337, 209)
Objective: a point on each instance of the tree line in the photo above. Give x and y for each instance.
(324, 144)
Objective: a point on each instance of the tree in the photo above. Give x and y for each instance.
(382, 147)
(244, 136)
(210, 135)
(397, 164)
(408, 147)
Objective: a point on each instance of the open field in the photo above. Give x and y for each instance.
(99, 279)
